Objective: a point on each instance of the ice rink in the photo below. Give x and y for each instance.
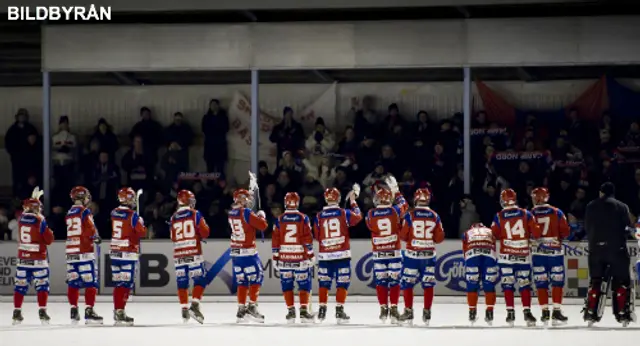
(159, 323)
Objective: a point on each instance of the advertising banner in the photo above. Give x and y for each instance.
(156, 274)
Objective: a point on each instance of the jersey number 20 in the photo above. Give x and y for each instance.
(184, 230)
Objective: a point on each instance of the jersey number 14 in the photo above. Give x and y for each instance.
(516, 229)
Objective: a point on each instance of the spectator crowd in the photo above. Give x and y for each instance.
(571, 158)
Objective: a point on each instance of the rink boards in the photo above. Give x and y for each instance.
(157, 277)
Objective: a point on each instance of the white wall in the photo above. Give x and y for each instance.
(120, 105)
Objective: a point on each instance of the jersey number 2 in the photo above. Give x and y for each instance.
(516, 229)
(290, 234)
(184, 230)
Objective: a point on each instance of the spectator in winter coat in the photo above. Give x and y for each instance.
(321, 141)
(104, 181)
(151, 133)
(288, 135)
(179, 137)
(138, 165)
(365, 117)
(215, 126)
(107, 140)
(15, 141)
(64, 156)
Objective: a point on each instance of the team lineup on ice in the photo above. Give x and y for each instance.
(530, 254)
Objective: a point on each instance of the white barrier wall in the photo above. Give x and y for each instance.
(157, 275)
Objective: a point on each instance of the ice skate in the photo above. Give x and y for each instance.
(90, 316)
(322, 313)
(546, 316)
(384, 313)
(426, 316)
(394, 314)
(122, 319)
(44, 317)
(17, 317)
(185, 315)
(488, 317)
(511, 317)
(194, 312)
(74, 315)
(624, 318)
(473, 316)
(254, 314)
(407, 316)
(558, 319)
(306, 316)
(291, 315)
(241, 314)
(341, 316)
(529, 318)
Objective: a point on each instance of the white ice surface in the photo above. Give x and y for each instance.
(159, 323)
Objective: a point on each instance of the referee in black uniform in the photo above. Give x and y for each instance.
(606, 222)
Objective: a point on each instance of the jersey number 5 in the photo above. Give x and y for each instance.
(516, 229)
(237, 232)
(184, 230)
(116, 226)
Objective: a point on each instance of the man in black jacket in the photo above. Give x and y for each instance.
(606, 223)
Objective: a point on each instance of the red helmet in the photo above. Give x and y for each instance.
(332, 195)
(80, 193)
(186, 198)
(31, 205)
(126, 196)
(540, 195)
(422, 196)
(243, 197)
(291, 201)
(508, 198)
(383, 197)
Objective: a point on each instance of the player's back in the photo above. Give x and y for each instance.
(242, 234)
(292, 235)
(514, 226)
(123, 233)
(422, 229)
(332, 232)
(552, 221)
(478, 241)
(184, 232)
(33, 237)
(80, 230)
(385, 225)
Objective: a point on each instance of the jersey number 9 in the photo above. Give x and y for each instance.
(384, 226)
(184, 230)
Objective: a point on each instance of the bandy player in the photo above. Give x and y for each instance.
(514, 227)
(292, 246)
(127, 228)
(334, 254)
(479, 248)
(385, 223)
(548, 257)
(421, 230)
(33, 264)
(81, 259)
(188, 228)
(247, 267)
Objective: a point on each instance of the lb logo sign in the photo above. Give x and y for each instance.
(364, 270)
(450, 271)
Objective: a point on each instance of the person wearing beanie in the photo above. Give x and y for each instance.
(607, 221)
